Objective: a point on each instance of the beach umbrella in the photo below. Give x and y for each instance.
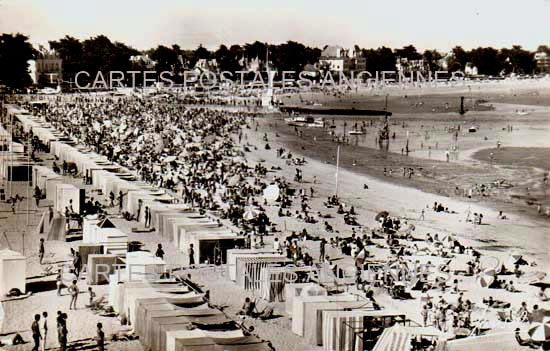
(271, 193)
(360, 258)
(489, 263)
(515, 257)
(540, 331)
(250, 214)
(541, 284)
(381, 214)
(486, 278)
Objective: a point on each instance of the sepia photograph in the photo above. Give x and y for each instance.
(274, 175)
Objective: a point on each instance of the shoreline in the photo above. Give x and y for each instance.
(519, 217)
(431, 182)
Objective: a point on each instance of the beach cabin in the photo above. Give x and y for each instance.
(99, 267)
(51, 188)
(210, 242)
(299, 303)
(67, 192)
(143, 265)
(188, 225)
(40, 176)
(13, 266)
(234, 253)
(171, 223)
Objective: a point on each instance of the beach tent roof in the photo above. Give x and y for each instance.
(106, 223)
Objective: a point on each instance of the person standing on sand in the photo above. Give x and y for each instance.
(73, 290)
(191, 253)
(37, 195)
(147, 217)
(62, 331)
(77, 263)
(160, 252)
(322, 250)
(100, 337)
(36, 336)
(120, 198)
(41, 250)
(59, 283)
(45, 327)
(421, 215)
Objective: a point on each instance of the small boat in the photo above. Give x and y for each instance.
(472, 129)
(356, 132)
(309, 121)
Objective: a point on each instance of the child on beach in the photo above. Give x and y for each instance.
(92, 295)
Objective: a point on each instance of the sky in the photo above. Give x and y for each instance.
(427, 24)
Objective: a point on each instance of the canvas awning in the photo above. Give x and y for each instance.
(398, 338)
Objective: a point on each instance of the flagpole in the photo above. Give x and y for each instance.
(337, 167)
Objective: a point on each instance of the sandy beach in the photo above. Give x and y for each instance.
(435, 180)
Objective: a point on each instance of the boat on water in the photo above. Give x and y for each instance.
(308, 121)
(357, 132)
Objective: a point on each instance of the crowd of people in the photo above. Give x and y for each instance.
(196, 153)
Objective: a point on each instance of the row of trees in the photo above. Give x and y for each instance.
(101, 54)
(15, 52)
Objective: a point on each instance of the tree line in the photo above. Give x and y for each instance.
(99, 53)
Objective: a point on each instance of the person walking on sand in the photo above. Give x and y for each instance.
(41, 250)
(36, 336)
(73, 290)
